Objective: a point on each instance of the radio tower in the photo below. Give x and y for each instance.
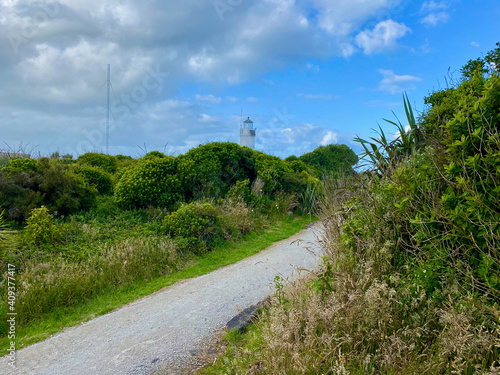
(108, 82)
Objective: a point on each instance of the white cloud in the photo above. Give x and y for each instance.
(394, 83)
(317, 96)
(383, 36)
(434, 19)
(398, 133)
(434, 13)
(208, 98)
(284, 139)
(475, 44)
(342, 17)
(329, 138)
(53, 79)
(252, 99)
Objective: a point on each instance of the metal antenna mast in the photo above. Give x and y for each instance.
(108, 109)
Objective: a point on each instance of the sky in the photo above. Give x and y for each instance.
(184, 73)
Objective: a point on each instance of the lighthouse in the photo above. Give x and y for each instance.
(247, 134)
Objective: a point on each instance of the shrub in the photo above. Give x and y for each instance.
(97, 178)
(23, 164)
(211, 169)
(272, 171)
(196, 225)
(53, 185)
(154, 154)
(103, 161)
(40, 229)
(151, 182)
(331, 159)
(239, 191)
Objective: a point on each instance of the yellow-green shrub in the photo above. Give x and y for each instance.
(41, 229)
(150, 182)
(196, 226)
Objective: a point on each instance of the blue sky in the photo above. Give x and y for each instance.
(307, 72)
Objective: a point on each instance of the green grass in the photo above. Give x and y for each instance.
(234, 343)
(225, 254)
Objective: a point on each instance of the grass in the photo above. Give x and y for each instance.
(233, 342)
(225, 254)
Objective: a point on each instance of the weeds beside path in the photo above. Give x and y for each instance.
(143, 330)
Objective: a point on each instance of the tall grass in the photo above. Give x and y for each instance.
(358, 315)
(46, 285)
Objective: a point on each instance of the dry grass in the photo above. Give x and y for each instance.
(358, 316)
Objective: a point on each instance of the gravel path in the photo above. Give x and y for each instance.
(162, 331)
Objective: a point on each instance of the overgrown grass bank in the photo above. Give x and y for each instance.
(411, 281)
(192, 266)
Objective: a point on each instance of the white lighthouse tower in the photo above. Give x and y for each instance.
(247, 134)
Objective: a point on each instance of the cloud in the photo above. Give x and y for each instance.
(343, 17)
(208, 98)
(475, 44)
(382, 37)
(282, 139)
(317, 96)
(394, 83)
(398, 133)
(252, 99)
(329, 138)
(434, 13)
(54, 56)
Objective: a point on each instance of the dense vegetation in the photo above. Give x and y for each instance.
(75, 229)
(411, 279)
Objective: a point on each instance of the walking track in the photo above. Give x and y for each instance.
(162, 331)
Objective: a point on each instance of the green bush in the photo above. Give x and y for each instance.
(195, 225)
(331, 159)
(103, 161)
(154, 154)
(211, 169)
(240, 191)
(55, 186)
(97, 178)
(41, 229)
(23, 164)
(150, 182)
(272, 171)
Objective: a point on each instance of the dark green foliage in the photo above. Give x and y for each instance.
(97, 178)
(445, 194)
(331, 158)
(300, 166)
(240, 191)
(103, 161)
(195, 226)
(52, 185)
(211, 169)
(63, 191)
(150, 182)
(273, 171)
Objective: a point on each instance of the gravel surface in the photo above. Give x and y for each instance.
(164, 330)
